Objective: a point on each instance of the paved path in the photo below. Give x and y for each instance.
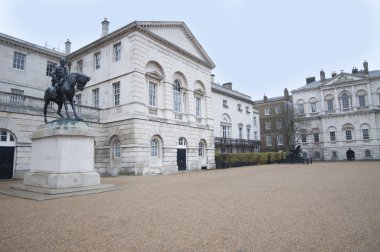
(319, 207)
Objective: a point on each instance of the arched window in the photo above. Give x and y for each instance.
(154, 148)
(182, 142)
(6, 138)
(116, 149)
(301, 108)
(345, 101)
(348, 130)
(177, 96)
(313, 105)
(201, 149)
(329, 103)
(334, 155)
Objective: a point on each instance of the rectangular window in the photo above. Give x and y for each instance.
(267, 111)
(280, 140)
(278, 109)
(19, 60)
(316, 137)
(177, 100)
(239, 107)
(303, 138)
(268, 125)
(348, 135)
(78, 99)
(254, 121)
(225, 104)
(332, 136)
(152, 94)
(240, 133)
(361, 101)
(49, 68)
(117, 51)
(226, 131)
(247, 109)
(116, 94)
(97, 60)
(198, 106)
(95, 97)
(3, 136)
(330, 105)
(17, 96)
(268, 140)
(80, 66)
(248, 133)
(301, 109)
(365, 134)
(279, 124)
(313, 107)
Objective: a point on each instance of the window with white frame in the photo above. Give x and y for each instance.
(278, 109)
(152, 94)
(177, 96)
(330, 105)
(201, 149)
(267, 111)
(226, 131)
(80, 66)
(240, 132)
(332, 136)
(348, 134)
(154, 148)
(198, 106)
(365, 134)
(268, 125)
(345, 101)
(268, 140)
(182, 141)
(316, 137)
(6, 136)
(116, 149)
(19, 60)
(280, 140)
(116, 93)
(97, 60)
(49, 68)
(95, 97)
(117, 51)
(279, 124)
(313, 107)
(361, 99)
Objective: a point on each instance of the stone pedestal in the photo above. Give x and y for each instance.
(62, 156)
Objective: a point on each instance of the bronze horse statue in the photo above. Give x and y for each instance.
(75, 81)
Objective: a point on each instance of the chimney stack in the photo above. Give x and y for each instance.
(323, 76)
(105, 25)
(333, 74)
(67, 46)
(212, 78)
(286, 94)
(354, 70)
(365, 65)
(228, 85)
(265, 98)
(310, 80)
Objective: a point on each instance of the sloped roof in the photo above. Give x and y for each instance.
(317, 84)
(146, 27)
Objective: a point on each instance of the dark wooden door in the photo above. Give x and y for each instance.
(181, 159)
(6, 162)
(350, 155)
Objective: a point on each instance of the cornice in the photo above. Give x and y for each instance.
(230, 94)
(29, 47)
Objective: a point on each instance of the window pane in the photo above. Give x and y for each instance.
(116, 93)
(332, 136)
(3, 136)
(152, 94)
(345, 102)
(348, 135)
(117, 51)
(365, 134)
(330, 105)
(19, 60)
(361, 101)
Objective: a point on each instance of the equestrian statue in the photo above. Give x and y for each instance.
(63, 88)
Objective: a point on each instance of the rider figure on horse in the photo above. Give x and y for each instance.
(59, 75)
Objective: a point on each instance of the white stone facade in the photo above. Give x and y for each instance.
(338, 117)
(236, 122)
(152, 92)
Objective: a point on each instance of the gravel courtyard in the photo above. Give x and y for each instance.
(318, 207)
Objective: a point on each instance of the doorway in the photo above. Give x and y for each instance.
(181, 159)
(6, 162)
(350, 155)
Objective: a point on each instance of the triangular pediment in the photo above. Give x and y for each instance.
(154, 75)
(342, 78)
(178, 34)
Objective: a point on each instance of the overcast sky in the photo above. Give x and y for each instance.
(259, 46)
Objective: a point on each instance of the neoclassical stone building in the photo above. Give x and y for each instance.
(338, 118)
(149, 98)
(236, 122)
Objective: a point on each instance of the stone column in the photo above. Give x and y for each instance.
(322, 103)
(370, 105)
(337, 106)
(353, 99)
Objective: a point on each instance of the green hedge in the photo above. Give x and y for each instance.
(242, 159)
